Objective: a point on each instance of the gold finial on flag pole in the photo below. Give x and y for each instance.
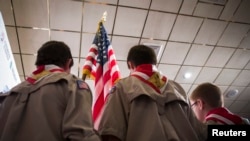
(104, 16)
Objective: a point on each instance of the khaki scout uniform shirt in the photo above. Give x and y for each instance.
(58, 108)
(136, 112)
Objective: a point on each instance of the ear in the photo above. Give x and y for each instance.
(131, 65)
(200, 104)
(67, 67)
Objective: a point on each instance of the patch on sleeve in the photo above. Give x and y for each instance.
(113, 89)
(82, 85)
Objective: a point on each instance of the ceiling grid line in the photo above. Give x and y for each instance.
(18, 42)
(167, 41)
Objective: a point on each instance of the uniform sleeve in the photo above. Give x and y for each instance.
(77, 121)
(115, 116)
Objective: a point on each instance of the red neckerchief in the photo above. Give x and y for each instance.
(224, 116)
(149, 74)
(43, 71)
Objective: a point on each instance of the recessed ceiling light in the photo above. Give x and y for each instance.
(187, 75)
(232, 93)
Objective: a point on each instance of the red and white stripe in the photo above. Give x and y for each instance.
(105, 78)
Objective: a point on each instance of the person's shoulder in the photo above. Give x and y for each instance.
(245, 121)
(176, 85)
(62, 76)
(213, 122)
(81, 84)
(178, 89)
(123, 81)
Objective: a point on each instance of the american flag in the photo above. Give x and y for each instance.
(101, 65)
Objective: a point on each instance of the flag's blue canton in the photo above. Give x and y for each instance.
(102, 42)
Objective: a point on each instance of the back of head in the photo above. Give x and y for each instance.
(141, 54)
(209, 93)
(54, 52)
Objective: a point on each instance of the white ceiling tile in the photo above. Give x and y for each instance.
(246, 110)
(239, 59)
(166, 5)
(239, 89)
(245, 94)
(248, 66)
(121, 46)
(245, 44)
(223, 89)
(188, 7)
(18, 63)
(25, 11)
(87, 40)
(237, 106)
(170, 71)
(233, 35)
(7, 13)
(158, 25)
(135, 3)
(187, 69)
(123, 67)
(227, 103)
(31, 40)
(210, 32)
(175, 53)
(65, 15)
(75, 68)
(72, 39)
(198, 55)
(219, 57)
(204, 77)
(29, 64)
(129, 21)
(243, 79)
(229, 9)
(227, 76)
(242, 14)
(208, 10)
(92, 14)
(185, 28)
(192, 89)
(104, 1)
(12, 36)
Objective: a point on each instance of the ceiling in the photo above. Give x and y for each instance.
(208, 38)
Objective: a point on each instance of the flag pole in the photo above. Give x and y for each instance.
(103, 19)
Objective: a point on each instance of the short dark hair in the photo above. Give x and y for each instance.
(54, 52)
(141, 54)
